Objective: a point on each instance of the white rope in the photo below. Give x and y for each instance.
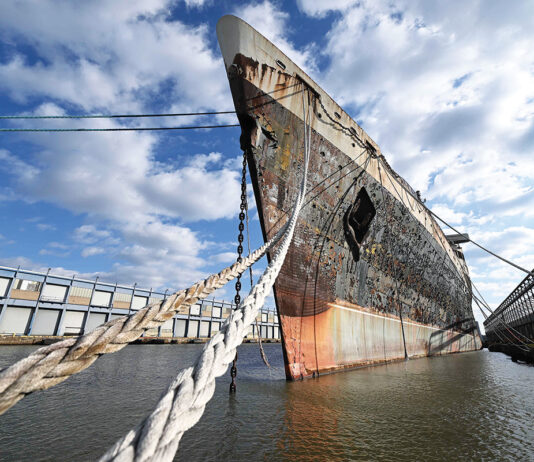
(53, 364)
(182, 405)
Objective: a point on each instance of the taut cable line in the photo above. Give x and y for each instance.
(483, 302)
(418, 200)
(132, 116)
(116, 129)
(506, 339)
(125, 116)
(483, 248)
(521, 345)
(499, 318)
(180, 408)
(55, 363)
(111, 116)
(158, 436)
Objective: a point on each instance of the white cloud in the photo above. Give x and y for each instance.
(197, 3)
(512, 242)
(56, 249)
(204, 194)
(456, 218)
(111, 55)
(320, 8)
(225, 257)
(58, 245)
(27, 263)
(11, 164)
(45, 227)
(445, 101)
(268, 19)
(89, 234)
(93, 250)
(129, 56)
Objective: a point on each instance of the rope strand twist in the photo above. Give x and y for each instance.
(55, 363)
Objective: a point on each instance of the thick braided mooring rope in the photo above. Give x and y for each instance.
(53, 364)
(180, 408)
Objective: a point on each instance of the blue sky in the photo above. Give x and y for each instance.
(446, 88)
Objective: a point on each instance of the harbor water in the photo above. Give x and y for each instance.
(469, 406)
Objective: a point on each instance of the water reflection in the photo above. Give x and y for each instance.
(473, 406)
(470, 406)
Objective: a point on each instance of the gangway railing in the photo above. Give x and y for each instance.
(517, 312)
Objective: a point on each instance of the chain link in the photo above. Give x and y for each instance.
(240, 239)
(241, 227)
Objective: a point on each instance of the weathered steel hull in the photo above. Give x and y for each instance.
(369, 277)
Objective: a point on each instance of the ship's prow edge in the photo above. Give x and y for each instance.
(236, 36)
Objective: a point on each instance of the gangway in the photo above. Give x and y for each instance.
(510, 328)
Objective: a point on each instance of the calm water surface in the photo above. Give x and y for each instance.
(472, 406)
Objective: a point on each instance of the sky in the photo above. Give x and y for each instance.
(446, 88)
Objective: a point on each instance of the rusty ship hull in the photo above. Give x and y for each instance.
(370, 277)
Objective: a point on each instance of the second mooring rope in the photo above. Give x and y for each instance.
(55, 363)
(182, 405)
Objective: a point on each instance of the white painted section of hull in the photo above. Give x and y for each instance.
(361, 337)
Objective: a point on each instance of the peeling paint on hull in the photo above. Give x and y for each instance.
(344, 338)
(403, 292)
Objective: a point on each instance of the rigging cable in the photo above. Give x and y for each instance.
(506, 325)
(521, 345)
(451, 227)
(499, 334)
(124, 116)
(500, 318)
(483, 248)
(395, 276)
(115, 129)
(111, 116)
(346, 131)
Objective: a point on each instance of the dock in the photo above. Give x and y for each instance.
(40, 308)
(510, 328)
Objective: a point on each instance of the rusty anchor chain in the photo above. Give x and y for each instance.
(240, 239)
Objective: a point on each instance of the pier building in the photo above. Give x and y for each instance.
(43, 304)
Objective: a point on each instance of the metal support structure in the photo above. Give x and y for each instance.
(85, 305)
(8, 293)
(131, 299)
(510, 328)
(35, 310)
(111, 302)
(86, 317)
(64, 307)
